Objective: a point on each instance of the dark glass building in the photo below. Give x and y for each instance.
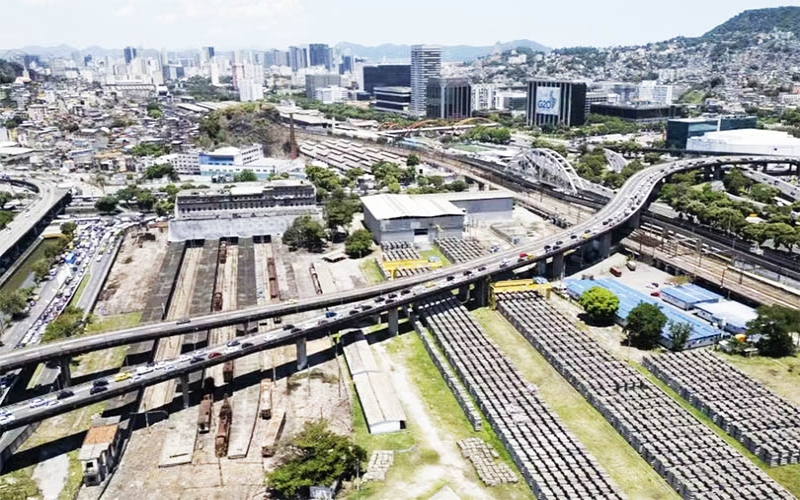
(319, 54)
(679, 131)
(130, 54)
(448, 98)
(556, 103)
(392, 99)
(637, 113)
(386, 75)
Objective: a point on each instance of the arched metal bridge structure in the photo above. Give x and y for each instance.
(548, 167)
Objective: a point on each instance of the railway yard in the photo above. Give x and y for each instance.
(519, 400)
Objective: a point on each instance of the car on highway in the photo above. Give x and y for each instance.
(197, 359)
(100, 382)
(213, 355)
(97, 389)
(36, 403)
(233, 343)
(119, 377)
(66, 393)
(245, 345)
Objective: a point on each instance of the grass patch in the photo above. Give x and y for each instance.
(102, 324)
(780, 375)
(81, 287)
(74, 477)
(627, 469)
(19, 484)
(371, 271)
(786, 475)
(434, 252)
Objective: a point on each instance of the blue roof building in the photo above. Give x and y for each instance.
(689, 296)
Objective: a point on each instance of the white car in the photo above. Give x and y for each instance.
(53, 402)
(7, 418)
(36, 403)
(143, 370)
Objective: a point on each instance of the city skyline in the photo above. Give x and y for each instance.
(242, 24)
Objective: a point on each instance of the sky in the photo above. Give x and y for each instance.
(261, 24)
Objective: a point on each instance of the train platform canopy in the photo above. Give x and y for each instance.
(702, 333)
(688, 296)
(730, 315)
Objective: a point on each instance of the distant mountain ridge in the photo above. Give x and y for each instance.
(751, 22)
(450, 53)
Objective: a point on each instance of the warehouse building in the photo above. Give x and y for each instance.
(428, 217)
(688, 296)
(728, 315)
(245, 210)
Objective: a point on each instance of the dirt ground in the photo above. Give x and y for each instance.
(134, 273)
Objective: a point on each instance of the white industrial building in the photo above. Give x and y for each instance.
(746, 141)
(428, 217)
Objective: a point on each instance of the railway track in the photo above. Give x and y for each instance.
(170, 347)
(226, 283)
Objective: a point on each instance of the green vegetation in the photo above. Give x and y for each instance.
(114, 322)
(5, 197)
(359, 243)
(106, 204)
(494, 135)
(149, 150)
(154, 110)
(341, 112)
(436, 253)
(306, 233)
(13, 303)
(315, 456)
(369, 268)
(626, 468)
(592, 166)
(69, 323)
(160, 171)
(545, 144)
(18, 485)
(600, 304)
(735, 182)
(340, 208)
(40, 268)
(244, 124)
(694, 96)
(717, 210)
(5, 218)
(643, 326)
(201, 89)
(9, 71)
(76, 297)
(775, 324)
(412, 160)
(679, 334)
(245, 175)
(752, 22)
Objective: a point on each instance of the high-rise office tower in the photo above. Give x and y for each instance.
(130, 54)
(319, 54)
(297, 58)
(426, 63)
(206, 54)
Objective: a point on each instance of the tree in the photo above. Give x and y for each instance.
(735, 182)
(354, 173)
(164, 208)
(159, 171)
(13, 303)
(644, 325)
(106, 204)
(5, 197)
(781, 234)
(679, 334)
(305, 233)
(40, 268)
(68, 324)
(600, 304)
(68, 229)
(245, 175)
(315, 456)
(775, 325)
(763, 193)
(358, 243)
(412, 160)
(457, 186)
(145, 201)
(340, 209)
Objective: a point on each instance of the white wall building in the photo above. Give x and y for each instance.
(250, 90)
(426, 63)
(330, 95)
(183, 163)
(652, 91)
(483, 96)
(746, 141)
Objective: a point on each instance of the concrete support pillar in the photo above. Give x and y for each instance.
(376, 319)
(463, 293)
(302, 359)
(411, 315)
(185, 390)
(558, 266)
(393, 318)
(707, 174)
(65, 375)
(605, 246)
(717, 172)
(482, 292)
(541, 268)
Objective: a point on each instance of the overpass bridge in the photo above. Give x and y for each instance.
(29, 224)
(389, 298)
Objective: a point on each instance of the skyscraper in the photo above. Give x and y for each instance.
(319, 54)
(297, 58)
(426, 63)
(130, 54)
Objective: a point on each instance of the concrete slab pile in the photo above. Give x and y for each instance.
(553, 462)
(461, 250)
(766, 424)
(697, 463)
